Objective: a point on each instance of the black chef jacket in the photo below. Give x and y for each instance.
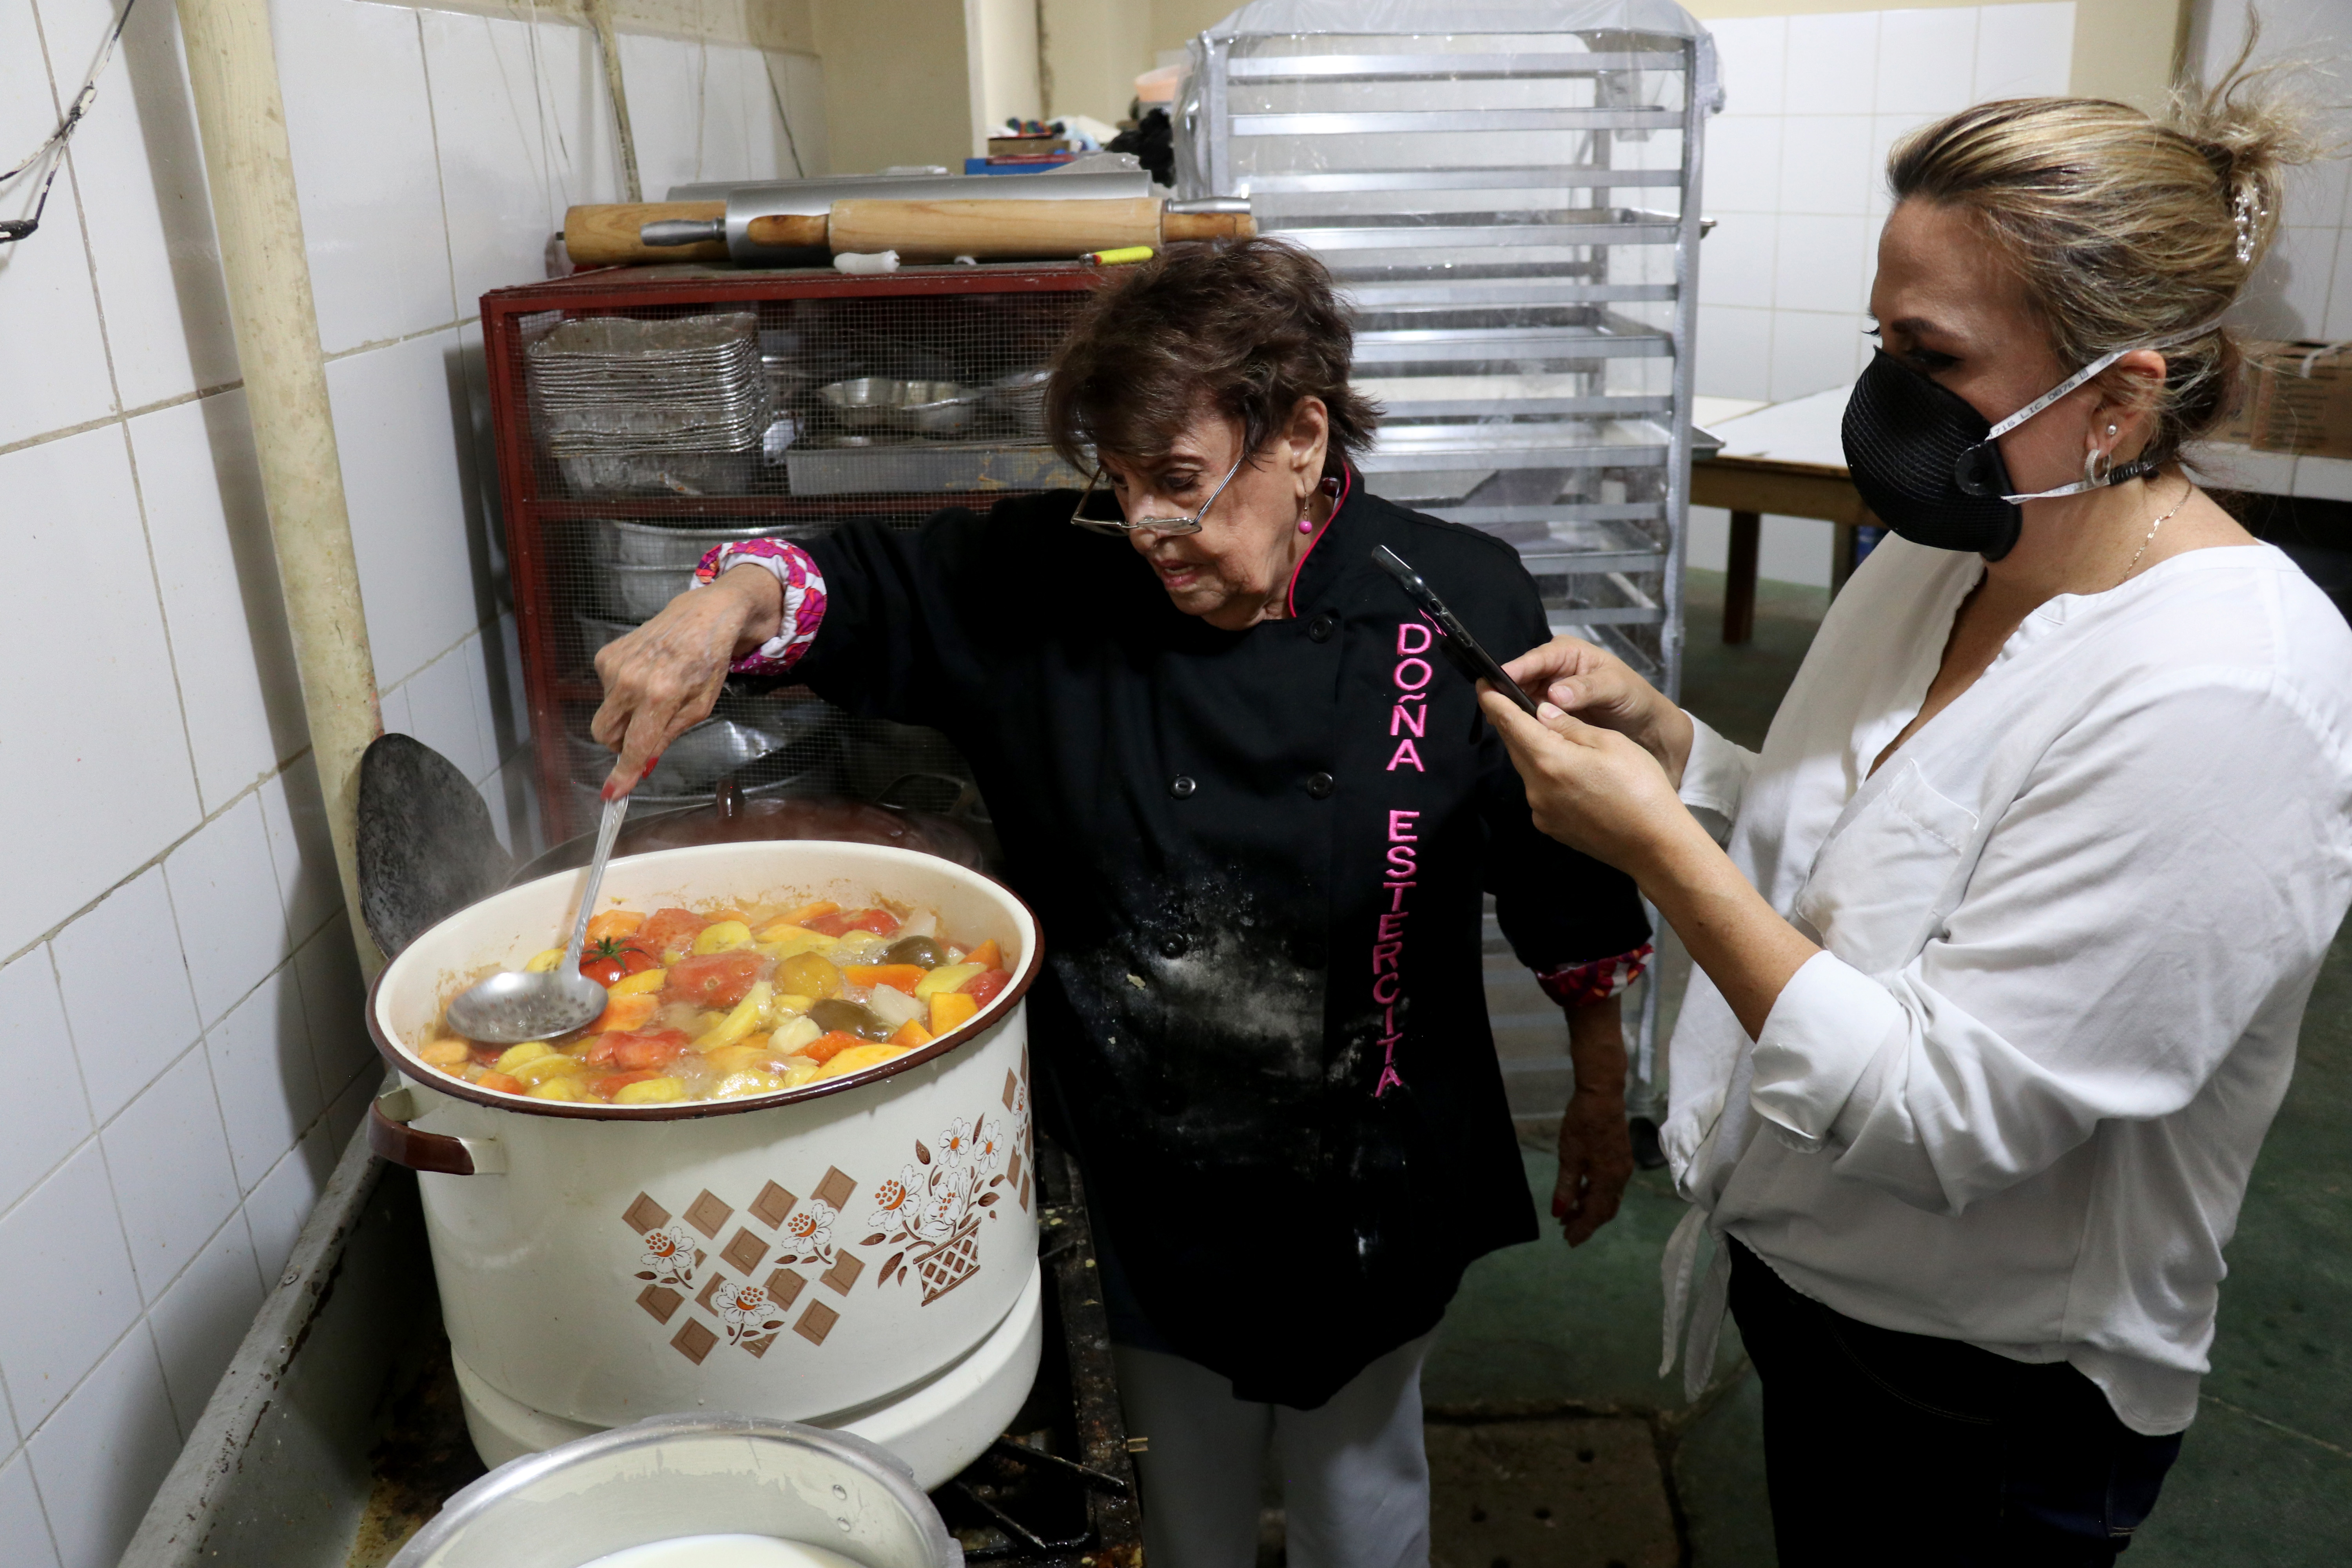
(1257, 858)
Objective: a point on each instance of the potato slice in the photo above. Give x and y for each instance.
(738, 1085)
(785, 940)
(650, 1092)
(643, 981)
(945, 977)
(516, 1055)
(741, 1021)
(554, 1064)
(790, 1038)
(721, 936)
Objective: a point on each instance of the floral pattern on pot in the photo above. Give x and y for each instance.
(748, 1314)
(933, 1210)
(670, 1256)
(808, 1232)
(931, 1214)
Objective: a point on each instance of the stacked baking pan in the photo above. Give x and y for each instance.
(674, 406)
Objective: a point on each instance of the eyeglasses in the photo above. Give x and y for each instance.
(1150, 524)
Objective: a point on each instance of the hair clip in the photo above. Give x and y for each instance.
(2248, 214)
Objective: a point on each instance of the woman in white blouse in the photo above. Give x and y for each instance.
(2002, 961)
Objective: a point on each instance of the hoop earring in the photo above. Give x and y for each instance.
(2096, 464)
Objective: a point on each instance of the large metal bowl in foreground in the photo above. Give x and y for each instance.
(685, 1475)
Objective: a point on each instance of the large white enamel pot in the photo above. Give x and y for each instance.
(812, 1255)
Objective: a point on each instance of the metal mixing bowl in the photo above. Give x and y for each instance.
(672, 1475)
(867, 403)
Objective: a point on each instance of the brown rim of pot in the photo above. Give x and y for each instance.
(415, 1071)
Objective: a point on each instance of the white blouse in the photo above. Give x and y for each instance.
(2069, 929)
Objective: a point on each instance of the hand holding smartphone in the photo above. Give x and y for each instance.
(1453, 639)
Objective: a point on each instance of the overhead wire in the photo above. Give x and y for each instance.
(53, 146)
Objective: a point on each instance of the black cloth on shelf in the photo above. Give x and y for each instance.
(1153, 143)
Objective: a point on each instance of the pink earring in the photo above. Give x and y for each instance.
(1306, 525)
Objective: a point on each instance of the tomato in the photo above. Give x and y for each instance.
(669, 930)
(881, 923)
(610, 961)
(982, 988)
(636, 1052)
(826, 925)
(714, 979)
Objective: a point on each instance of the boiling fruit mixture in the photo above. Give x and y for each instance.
(732, 1002)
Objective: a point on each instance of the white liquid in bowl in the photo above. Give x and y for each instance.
(724, 1552)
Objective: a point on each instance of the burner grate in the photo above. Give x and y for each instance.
(1059, 1490)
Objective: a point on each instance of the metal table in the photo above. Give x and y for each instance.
(1785, 458)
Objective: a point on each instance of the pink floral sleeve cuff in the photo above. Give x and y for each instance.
(1583, 985)
(803, 599)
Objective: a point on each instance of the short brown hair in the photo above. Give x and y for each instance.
(2124, 228)
(1249, 327)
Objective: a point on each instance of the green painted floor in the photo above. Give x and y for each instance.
(2265, 1476)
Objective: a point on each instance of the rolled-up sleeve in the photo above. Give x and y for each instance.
(1714, 778)
(2144, 896)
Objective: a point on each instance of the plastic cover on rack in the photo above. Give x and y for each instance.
(1422, 18)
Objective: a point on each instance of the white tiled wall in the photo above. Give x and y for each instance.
(1796, 182)
(184, 1052)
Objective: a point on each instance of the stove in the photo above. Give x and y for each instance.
(337, 1430)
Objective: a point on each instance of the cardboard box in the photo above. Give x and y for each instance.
(1026, 146)
(2297, 398)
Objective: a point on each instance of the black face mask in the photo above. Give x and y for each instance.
(1929, 464)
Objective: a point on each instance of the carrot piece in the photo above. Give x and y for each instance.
(612, 925)
(807, 912)
(910, 1032)
(626, 1013)
(500, 1081)
(950, 1008)
(827, 1046)
(904, 976)
(988, 955)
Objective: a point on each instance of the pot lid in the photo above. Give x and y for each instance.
(735, 818)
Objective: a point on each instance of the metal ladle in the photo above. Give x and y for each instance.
(514, 1007)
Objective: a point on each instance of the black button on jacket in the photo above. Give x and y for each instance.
(1258, 858)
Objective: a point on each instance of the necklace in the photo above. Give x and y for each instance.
(2186, 492)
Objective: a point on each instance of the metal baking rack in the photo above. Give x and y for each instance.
(1509, 193)
(1507, 190)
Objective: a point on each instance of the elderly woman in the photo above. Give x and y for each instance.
(1255, 817)
(2002, 975)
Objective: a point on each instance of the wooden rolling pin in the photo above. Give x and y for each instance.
(998, 230)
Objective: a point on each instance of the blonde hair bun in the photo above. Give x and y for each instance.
(2124, 228)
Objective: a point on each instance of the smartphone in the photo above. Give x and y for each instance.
(1453, 639)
